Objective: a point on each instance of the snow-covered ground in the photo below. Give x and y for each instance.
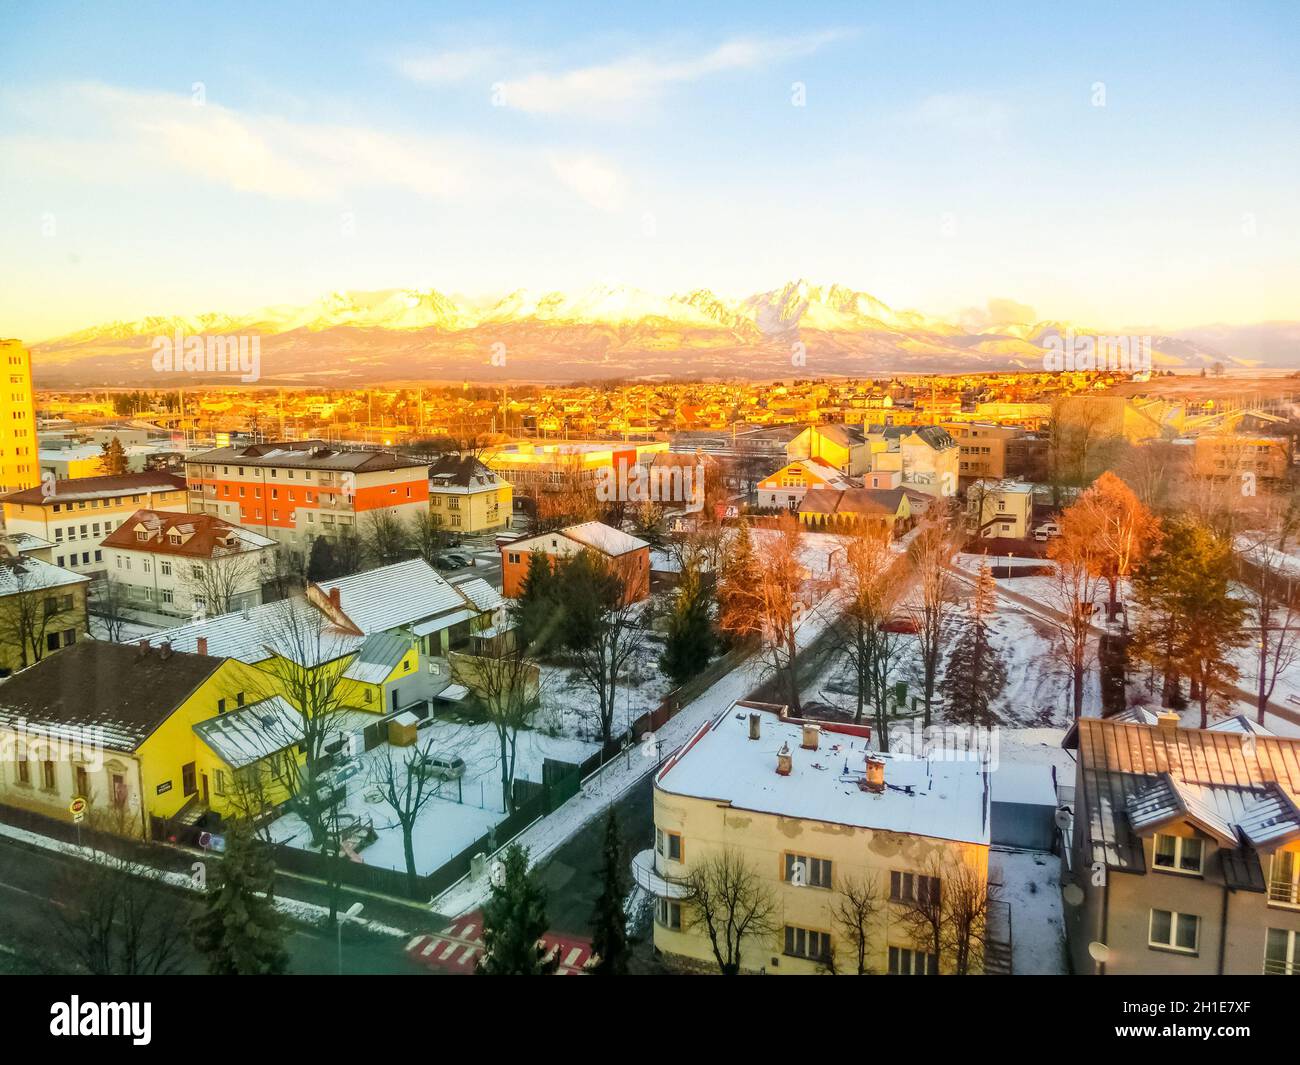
(457, 815)
(1031, 884)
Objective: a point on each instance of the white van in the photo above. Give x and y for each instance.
(1047, 531)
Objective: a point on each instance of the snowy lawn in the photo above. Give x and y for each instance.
(457, 816)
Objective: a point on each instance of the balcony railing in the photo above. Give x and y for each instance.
(1284, 893)
(1276, 967)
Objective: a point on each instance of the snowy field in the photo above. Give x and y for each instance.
(457, 816)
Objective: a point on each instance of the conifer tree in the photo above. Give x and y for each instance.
(239, 929)
(975, 673)
(690, 640)
(113, 457)
(609, 943)
(514, 919)
(739, 576)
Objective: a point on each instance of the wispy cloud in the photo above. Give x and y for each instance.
(606, 88)
(965, 113)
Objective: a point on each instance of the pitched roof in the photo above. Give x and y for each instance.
(1136, 777)
(304, 454)
(390, 596)
(23, 574)
(288, 627)
(251, 733)
(201, 535)
(377, 658)
(84, 488)
(873, 502)
(117, 693)
(463, 471)
(604, 538)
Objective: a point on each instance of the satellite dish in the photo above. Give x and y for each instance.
(1099, 952)
(1073, 894)
(1062, 818)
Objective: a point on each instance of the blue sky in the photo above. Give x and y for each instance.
(179, 158)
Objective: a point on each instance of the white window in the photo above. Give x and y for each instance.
(1174, 931)
(913, 887)
(1179, 854)
(668, 844)
(807, 872)
(165, 566)
(1284, 879)
(904, 961)
(1282, 953)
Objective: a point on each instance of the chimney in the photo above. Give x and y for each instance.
(784, 763)
(336, 600)
(202, 645)
(875, 779)
(1168, 720)
(166, 649)
(142, 648)
(755, 729)
(811, 734)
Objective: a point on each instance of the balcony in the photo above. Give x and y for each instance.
(1284, 893)
(646, 873)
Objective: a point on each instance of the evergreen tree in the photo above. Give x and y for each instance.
(690, 641)
(113, 457)
(609, 943)
(514, 919)
(975, 673)
(537, 610)
(239, 929)
(321, 564)
(740, 575)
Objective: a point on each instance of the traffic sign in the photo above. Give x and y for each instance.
(77, 806)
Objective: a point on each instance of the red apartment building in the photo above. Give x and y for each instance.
(295, 491)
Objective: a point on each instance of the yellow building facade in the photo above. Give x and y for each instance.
(19, 465)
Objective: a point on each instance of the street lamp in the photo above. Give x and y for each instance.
(350, 914)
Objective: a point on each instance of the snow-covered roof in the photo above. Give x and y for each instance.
(24, 574)
(479, 593)
(253, 732)
(940, 798)
(1241, 723)
(291, 628)
(377, 658)
(602, 537)
(392, 596)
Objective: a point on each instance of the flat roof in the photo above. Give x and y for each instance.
(924, 796)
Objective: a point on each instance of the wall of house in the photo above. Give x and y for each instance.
(706, 828)
(66, 625)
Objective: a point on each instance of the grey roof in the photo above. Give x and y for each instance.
(479, 593)
(463, 471)
(291, 628)
(1167, 799)
(304, 454)
(377, 658)
(1272, 820)
(1241, 723)
(24, 574)
(253, 732)
(396, 595)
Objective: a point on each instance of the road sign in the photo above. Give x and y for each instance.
(77, 818)
(77, 806)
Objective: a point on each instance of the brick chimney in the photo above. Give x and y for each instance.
(336, 600)
(811, 736)
(1168, 720)
(755, 727)
(166, 649)
(202, 645)
(875, 778)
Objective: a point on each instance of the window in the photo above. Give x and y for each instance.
(165, 567)
(24, 772)
(906, 962)
(1174, 931)
(82, 781)
(48, 780)
(668, 913)
(668, 844)
(912, 887)
(1179, 854)
(807, 872)
(189, 783)
(1284, 878)
(806, 943)
(513, 557)
(1282, 953)
(219, 785)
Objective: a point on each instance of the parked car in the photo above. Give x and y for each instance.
(452, 560)
(441, 766)
(1047, 531)
(901, 624)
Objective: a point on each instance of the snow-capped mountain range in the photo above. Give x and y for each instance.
(601, 332)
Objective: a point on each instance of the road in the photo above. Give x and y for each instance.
(35, 883)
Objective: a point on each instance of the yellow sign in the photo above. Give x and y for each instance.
(77, 805)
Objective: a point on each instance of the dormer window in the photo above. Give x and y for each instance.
(141, 534)
(1179, 854)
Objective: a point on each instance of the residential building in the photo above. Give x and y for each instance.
(889, 510)
(19, 468)
(628, 554)
(804, 811)
(295, 491)
(1000, 509)
(76, 515)
(1182, 854)
(1265, 459)
(535, 466)
(844, 447)
(166, 732)
(465, 496)
(983, 447)
(42, 609)
(927, 456)
(187, 565)
(786, 487)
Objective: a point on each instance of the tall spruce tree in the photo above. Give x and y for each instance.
(239, 929)
(514, 919)
(537, 611)
(690, 641)
(740, 574)
(609, 942)
(975, 673)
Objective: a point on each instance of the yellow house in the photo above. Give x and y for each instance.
(165, 731)
(843, 446)
(1000, 508)
(807, 815)
(465, 496)
(42, 608)
(786, 487)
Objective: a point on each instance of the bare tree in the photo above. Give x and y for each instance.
(732, 904)
(215, 584)
(428, 537)
(108, 602)
(1269, 580)
(966, 898)
(931, 605)
(868, 586)
(854, 912)
(384, 537)
(33, 604)
(406, 785)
